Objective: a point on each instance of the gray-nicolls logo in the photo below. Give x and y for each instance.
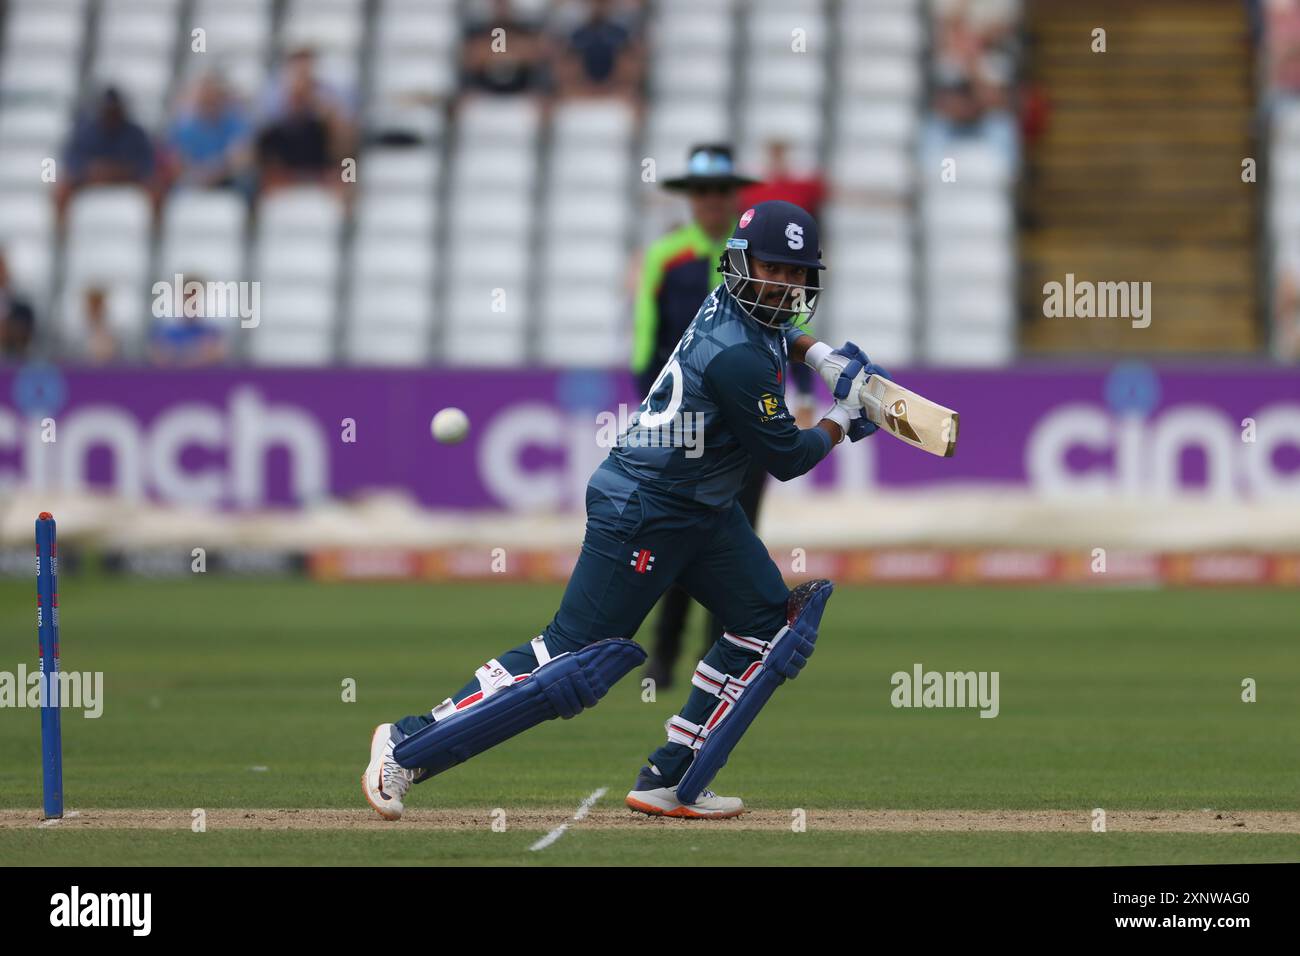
(75, 908)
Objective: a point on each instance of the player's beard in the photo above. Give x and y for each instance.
(773, 314)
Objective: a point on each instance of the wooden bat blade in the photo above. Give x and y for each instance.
(910, 417)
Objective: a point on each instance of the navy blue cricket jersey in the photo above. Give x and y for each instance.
(722, 389)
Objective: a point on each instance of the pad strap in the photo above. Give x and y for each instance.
(539, 650)
(724, 686)
(753, 644)
(492, 677)
(682, 731)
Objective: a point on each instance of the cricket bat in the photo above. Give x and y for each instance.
(909, 417)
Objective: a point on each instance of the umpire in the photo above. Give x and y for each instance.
(679, 271)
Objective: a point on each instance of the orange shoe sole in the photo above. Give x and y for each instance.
(683, 813)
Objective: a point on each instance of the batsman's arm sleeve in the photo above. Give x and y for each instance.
(802, 376)
(801, 326)
(645, 330)
(742, 381)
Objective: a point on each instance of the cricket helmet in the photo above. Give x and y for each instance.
(780, 232)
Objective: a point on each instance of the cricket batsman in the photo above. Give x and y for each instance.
(658, 515)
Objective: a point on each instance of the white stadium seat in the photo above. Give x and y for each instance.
(398, 169)
(207, 258)
(328, 26)
(485, 212)
(413, 75)
(111, 210)
(300, 260)
(595, 121)
(378, 214)
(501, 120)
(57, 30)
(395, 259)
(300, 209)
(881, 169)
(37, 78)
(426, 25)
(27, 214)
(205, 212)
(484, 347)
(387, 345)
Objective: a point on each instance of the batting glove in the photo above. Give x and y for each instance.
(862, 426)
(847, 411)
(833, 366)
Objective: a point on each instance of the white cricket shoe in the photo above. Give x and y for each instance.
(649, 796)
(385, 782)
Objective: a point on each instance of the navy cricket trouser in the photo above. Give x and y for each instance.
(635, 548)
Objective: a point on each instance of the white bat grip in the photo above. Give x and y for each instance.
(872, 407)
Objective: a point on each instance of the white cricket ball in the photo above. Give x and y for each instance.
(450, 426)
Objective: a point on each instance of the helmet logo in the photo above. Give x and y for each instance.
(744, 219)
(794, 236)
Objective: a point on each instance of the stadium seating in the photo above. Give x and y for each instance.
(108, 247)
(237, 41)
(584, 234)
(498, 232)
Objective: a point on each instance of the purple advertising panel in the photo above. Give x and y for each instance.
(255, 438)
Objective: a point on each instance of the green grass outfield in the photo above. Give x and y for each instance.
(227, 694)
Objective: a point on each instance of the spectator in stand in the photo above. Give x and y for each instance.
(601, 56)
(298, 70)
(1282, 43)
(1280, 22)
(978, 40)
(295, 148)
(17, 319)
(208, 143)
(780, 181)
(961, 112)
(297, 74)
(188, 340)
(106, 147)
(100, 345)
(1286, 301)
(981, 35)
(502, 53)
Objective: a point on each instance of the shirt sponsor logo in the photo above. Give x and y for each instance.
(769, 407)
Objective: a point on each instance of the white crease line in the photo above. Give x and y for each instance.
(583, 809)
(57, 820)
